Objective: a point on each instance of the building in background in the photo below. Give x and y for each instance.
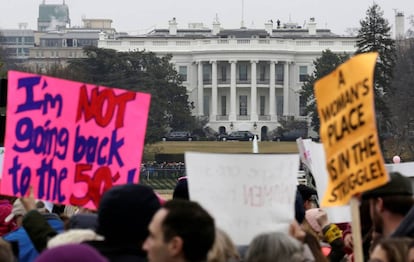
(17, 42)
(241, 79)
(53, 17)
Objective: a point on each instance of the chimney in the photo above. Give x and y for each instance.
(399, 25)
(269, 27)
(216, 26)
(173, 26)
(312, 26)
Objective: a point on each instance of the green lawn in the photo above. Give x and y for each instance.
(179, 147)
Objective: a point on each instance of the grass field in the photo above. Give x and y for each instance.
(172, 147)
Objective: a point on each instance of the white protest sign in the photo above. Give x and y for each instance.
(316, 162)
(247, 194)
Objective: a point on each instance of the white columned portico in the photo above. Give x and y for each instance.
(213, 116)
(272, 91)
(200, 91)
(286, 89)
(253, 91)
(232, 114)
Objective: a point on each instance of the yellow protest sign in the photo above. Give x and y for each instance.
(345, 100)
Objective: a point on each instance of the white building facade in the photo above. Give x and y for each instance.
(240, 79)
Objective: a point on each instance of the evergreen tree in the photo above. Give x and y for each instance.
(374, 35)
(403, 99)
(137, 71)
(323, 65)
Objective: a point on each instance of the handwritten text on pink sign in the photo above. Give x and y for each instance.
(69, 140)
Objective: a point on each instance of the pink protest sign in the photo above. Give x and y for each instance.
(71, 141)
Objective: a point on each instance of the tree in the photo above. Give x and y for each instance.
(137, 71)
(375, 35)
(323, 65)
(403, 99)
(410, 31)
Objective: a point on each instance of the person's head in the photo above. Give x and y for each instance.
(181, 189)
(311, 225)
(70, 253)
(274, 247)
(308, 195)
(223, 249)
(393, 199)
(390, 250)
(125, 212)
(180, 230)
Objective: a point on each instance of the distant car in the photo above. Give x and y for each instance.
(291, 135)
(179, 136)
(238, 136)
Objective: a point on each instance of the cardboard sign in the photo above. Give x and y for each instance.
(247, 194)
(345, 100)
(71, 141)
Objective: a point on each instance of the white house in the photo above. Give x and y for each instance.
(240, 79)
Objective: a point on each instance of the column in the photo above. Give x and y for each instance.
(213, 116)
(200, 93)
(286, 89)
(272, 91)
(232, 114)
(253, 91)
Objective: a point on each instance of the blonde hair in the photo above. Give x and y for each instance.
(223, 249)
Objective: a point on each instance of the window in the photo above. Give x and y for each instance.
(279, 105)
(223, 105)
(182, 71)
(243, 72)
(302, 106)
(206, 73)
(223, 70)
(262, 72)
(206, 105)
(262, 105)
(279, 69)
(303, 73)
(243, 105)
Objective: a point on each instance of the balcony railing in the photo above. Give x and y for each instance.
(222, 118)
(243, 117)
(264, 117)
(223, 81)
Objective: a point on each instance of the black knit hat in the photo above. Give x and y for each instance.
(398, 185)
(125, 212)
(306, 191)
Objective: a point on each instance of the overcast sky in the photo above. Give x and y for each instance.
(138, 16)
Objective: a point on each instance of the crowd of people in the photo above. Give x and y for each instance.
(162, 169)
(132, 223)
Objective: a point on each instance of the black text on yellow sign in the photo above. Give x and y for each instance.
(348, 130)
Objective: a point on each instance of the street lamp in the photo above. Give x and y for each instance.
(255, 125)
(231, 125)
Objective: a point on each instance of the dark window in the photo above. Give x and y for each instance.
(223, 73)
(262, 105)
(243, 105)
(223, 105)
(279, 73)
(303, 73)
(243, 72)
(182, 70)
